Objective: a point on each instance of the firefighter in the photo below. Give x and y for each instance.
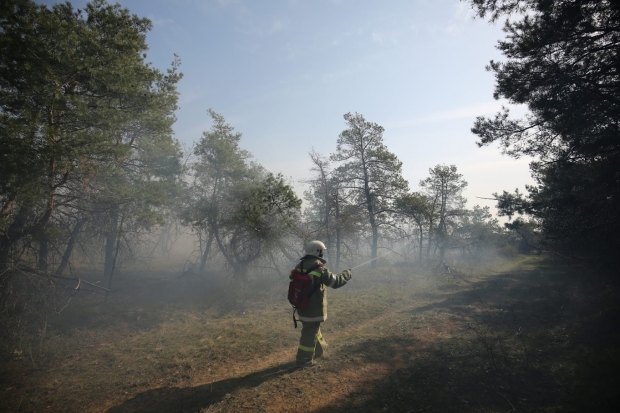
(311, 344)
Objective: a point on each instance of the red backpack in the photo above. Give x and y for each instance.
(300, 289)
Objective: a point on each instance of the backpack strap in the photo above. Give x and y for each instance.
(316, 285)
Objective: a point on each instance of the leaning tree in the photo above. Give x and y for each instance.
(236, 204)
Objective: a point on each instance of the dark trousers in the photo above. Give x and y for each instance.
(311, 343)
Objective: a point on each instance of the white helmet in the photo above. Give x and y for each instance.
(315, 248)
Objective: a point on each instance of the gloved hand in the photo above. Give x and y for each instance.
(349, 274)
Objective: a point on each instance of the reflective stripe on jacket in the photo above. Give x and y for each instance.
(317, 305)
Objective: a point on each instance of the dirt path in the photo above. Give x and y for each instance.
(271, 383)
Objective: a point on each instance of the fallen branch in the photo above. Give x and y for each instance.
(51, 277)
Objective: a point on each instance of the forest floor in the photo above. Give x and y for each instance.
(518, 336)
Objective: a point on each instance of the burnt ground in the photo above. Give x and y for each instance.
(532, 338)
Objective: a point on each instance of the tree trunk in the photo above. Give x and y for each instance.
(375, 245)
(430, 240)
(373, 227)
(110, 242)
(113, 263)
(69, 249)
(421, 241)
(229, 259)
(328, 237)
(205, 253)
(43, 252)
(15, 232)
(338, 242)
(338, 235)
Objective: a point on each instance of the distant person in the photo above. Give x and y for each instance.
(311, 344)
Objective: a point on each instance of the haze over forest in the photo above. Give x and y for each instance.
(284, 73)
(209, 141)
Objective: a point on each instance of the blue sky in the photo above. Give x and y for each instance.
(284, 72)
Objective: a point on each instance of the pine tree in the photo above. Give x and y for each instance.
(371, 173)
(562, 60)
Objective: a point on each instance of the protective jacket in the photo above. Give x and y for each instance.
(316, 311)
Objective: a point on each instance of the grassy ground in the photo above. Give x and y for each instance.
(521, 336)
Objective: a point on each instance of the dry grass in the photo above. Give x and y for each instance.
(514, 336)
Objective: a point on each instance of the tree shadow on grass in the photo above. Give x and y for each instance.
(192, 399)
(527, 342)
(450, 376)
